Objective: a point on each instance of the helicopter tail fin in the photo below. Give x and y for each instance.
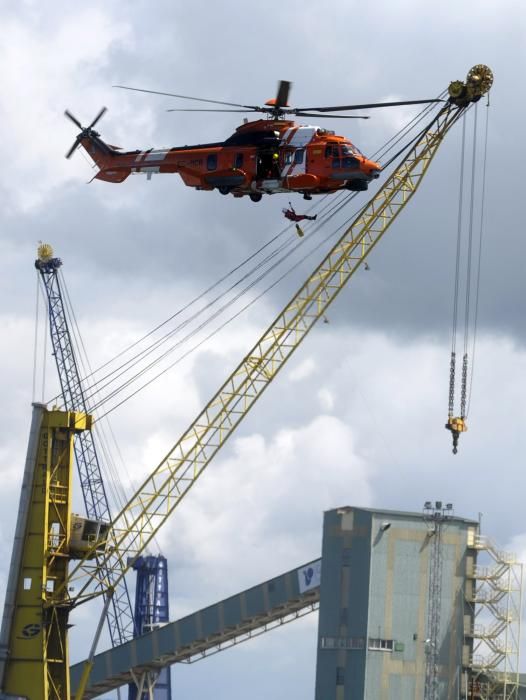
(104, 156)
(102, 153)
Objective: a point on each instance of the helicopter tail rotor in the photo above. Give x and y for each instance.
(85, 131)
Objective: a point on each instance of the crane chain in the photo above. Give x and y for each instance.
(451, 407)
(463, 390)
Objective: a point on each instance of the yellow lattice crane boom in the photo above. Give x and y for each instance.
(136, 524)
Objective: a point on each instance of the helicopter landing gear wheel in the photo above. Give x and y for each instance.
(224, 189)
(255, 196)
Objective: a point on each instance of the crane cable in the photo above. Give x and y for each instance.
(479, 258)
(330, 209)
(336, 207)
(126, 383)
(457, 424)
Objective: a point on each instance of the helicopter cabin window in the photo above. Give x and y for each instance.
(288, 157)
(211, 161)
(332, 150)
(298, 156)
(350, 162)
(238, 160)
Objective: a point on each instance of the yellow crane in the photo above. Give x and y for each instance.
(44, 586)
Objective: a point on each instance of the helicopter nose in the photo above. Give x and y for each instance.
(373, 169)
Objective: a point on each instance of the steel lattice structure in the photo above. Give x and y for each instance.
(120, 615)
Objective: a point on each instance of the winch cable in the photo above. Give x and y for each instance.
(479, 257)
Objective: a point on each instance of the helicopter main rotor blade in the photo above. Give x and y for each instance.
(99, 115)
(187, 97)
(372, 105)
(327, 116)
(73, 119)
(73, 148)
(282, 95)
(242, 111)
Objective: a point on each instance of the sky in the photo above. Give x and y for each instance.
(357, 416)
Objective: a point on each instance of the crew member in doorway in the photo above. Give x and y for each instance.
(275, 165)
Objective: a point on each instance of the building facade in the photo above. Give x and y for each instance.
(393, 605)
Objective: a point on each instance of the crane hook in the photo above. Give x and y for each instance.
(456, 426)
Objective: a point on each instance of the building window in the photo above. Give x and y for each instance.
(342, 643)
(211, 161)
(380, 644)
(340, 675)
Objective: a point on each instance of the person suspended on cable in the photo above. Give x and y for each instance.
(292, 216)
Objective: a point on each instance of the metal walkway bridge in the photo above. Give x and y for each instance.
(231, 621)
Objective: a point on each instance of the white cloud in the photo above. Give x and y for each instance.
(359, 420)
(49, 61)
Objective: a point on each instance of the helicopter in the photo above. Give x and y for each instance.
(269, 155)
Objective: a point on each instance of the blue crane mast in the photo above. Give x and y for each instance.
(151, 611)
(120, 616)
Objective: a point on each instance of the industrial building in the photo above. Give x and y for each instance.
(407, 610)
(401, 597)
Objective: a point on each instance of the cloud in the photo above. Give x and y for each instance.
(46, 57)
(357, 416)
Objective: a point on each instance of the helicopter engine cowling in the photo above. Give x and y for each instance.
(233, 177)
(303, 181)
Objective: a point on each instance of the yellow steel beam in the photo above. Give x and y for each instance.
(37, 661)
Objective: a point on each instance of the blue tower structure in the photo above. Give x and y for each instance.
(120, 615)
(151, 610)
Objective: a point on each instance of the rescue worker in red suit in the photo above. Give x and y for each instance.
(292, 216)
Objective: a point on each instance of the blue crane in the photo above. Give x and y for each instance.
(120, 615)
(151, 598)
(152, 611)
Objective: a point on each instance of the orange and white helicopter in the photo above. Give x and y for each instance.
(266, 156)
